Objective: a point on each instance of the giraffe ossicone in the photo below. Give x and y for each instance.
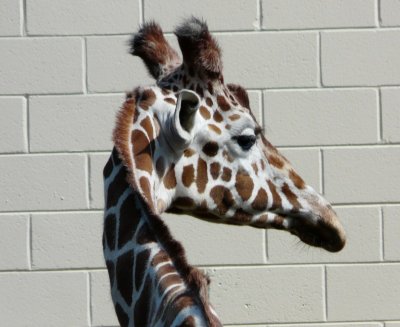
(190, 144)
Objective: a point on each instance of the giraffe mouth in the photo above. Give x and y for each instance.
(316, 231)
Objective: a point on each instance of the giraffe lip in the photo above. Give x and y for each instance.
(315, 231)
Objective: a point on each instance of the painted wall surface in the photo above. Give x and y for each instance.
(324, 80)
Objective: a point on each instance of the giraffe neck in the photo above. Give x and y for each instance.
(151, 282)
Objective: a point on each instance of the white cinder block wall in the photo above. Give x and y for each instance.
(324, 79)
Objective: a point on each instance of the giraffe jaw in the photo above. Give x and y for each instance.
(316, 230)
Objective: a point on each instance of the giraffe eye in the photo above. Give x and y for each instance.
(245, 141)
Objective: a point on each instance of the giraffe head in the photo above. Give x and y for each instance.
(192, 145)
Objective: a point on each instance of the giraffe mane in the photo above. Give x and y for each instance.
(199, 48)
(150, 45)
(196, 281)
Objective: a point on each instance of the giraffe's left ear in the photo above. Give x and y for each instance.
(182, 122)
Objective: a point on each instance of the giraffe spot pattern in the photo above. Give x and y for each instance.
(204, 112)
(202, 178)
(169, 178)
(146, 124)
(234, 117)
(244, 185)
(142, 306)
(140, 267)
(209, 102)
(148, 98)
(124, 270)
(121, 315)
(226, 174)
(276, 199)
(215, 129)
(170, 101)
(292, 198)
(160, 167)
(217, 116)
(211, 148)
(276, 161)
(223, 198)
(215, 168)
(296, 179)
(260, 201)
(146, 189)
(128, 220)
(223, 103)
(188, 152)
(242, 217)
(110, 225)
(142, 151)
(188, 175)
(184, 202)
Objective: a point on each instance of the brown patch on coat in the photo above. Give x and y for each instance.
(170, 101)
(226, 174)
(276, 199)
(188, 152)
(214, 170)
(276, 160)
(223, 198)
(204, 112)
(147, 126)
(188, 175)
(240, 94)
(227, 156)
(234, 117)
(255, 167)
(215, 128)
(244, 185)
(296, 179)
(209, 102)
(147, 99)
(217, 116)
(211, 148)
(201, 178)
(169, 178)
(142, 151)
(165, 91)
(160, 167)
(292, 198)
(199, 91)
(260, 201)
(223, 103)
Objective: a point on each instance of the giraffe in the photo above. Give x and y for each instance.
(190, 145)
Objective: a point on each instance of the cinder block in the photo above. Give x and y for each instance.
(265, 60)
(223, 15)
(111, 68)
(256, 105)
(10, 18)
(392, 324)
(13, 125)
(43, 182)
(391, 228)
(317, 117)
(67, 240)
(97, 163)
(390, 12)
(362, 226)
(363, 292)
(362, 174)
(365, 58)
(295, 14)
(103, 313)
(44, 299)
(14, 244)
(306, 163)
(65, 17)
(391, 114)
(72, 123)
(267, 294)
(41, 65)
(221, 242)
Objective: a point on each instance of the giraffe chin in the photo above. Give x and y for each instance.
(317, 231)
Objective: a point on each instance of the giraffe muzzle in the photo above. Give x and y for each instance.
(318, 231)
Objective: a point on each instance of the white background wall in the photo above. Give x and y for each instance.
(324, 79)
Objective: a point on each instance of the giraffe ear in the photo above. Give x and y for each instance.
(183, 120)
(200, 50)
